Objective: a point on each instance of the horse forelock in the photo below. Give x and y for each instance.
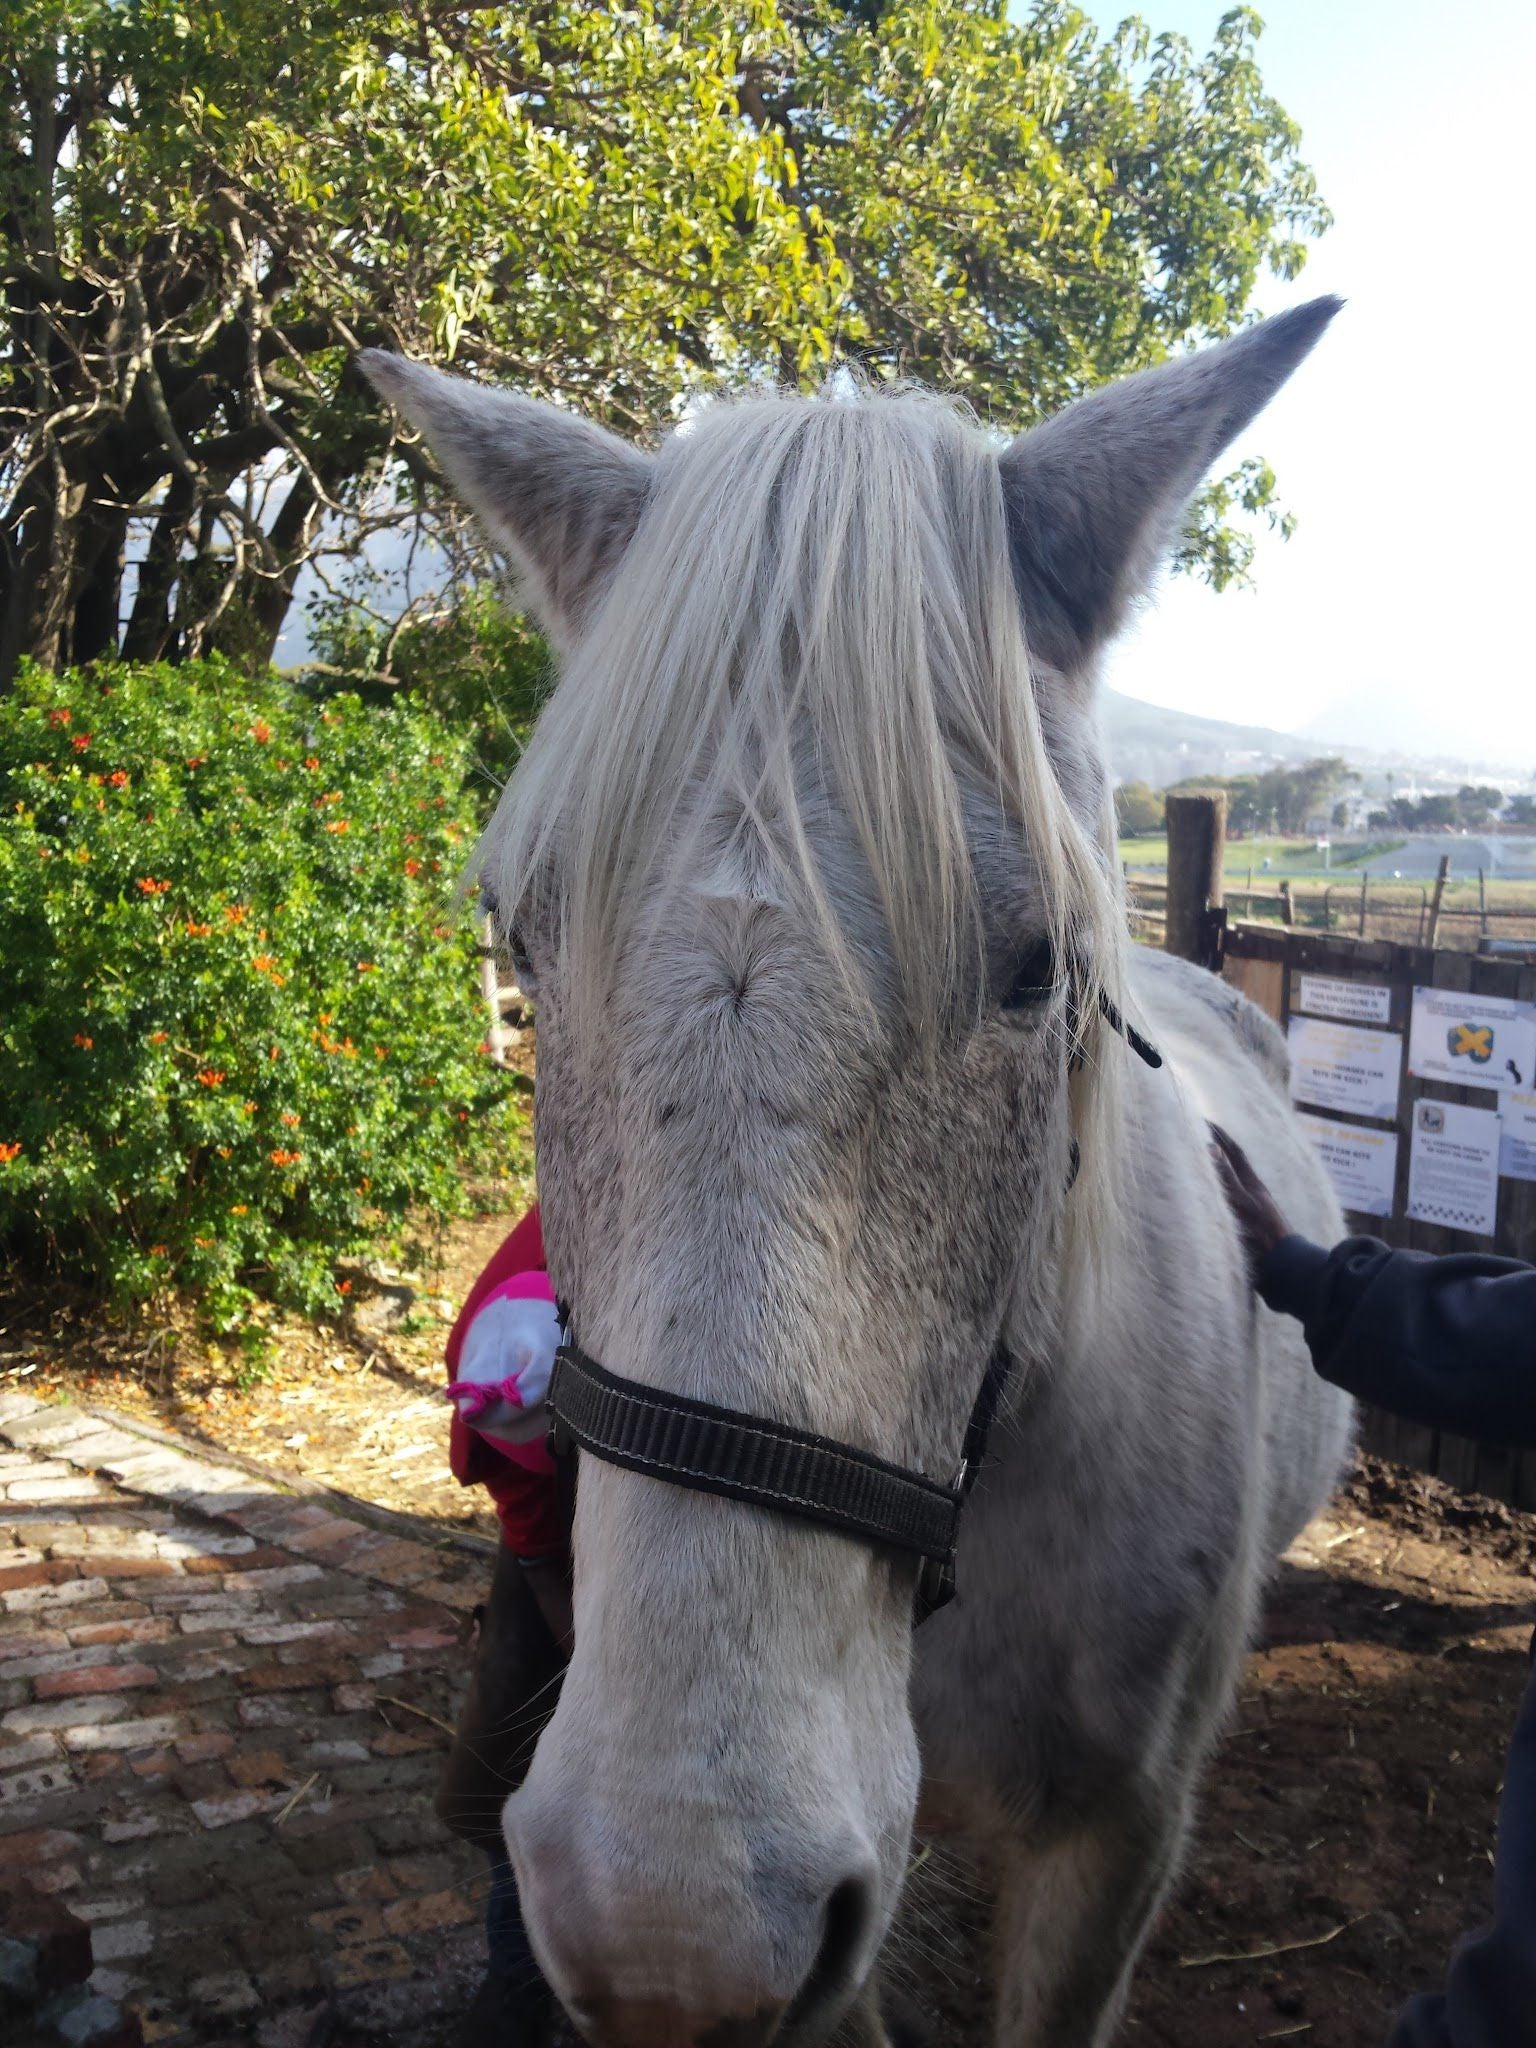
(814, 649)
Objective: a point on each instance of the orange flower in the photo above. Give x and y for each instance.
(9, 1150)
(311, 762)
(413, 868)
(237, 913)
(343, 1286)
(273, 1051)
(198, 931)
(223, 1151)
(80, 742)
(211, 1077)
(118, 778)
(381, 1052)
(60, 716)
(339, 825)
(261, 731)
(249, 1108)
(158, 1037)
(263, 963)
(148, 886)
(196, 760)
(289, 1117)
(367, 967)
(159, 1251)
(282, 1157)
(240, 1209)
(203, 1241)
(83, 1041)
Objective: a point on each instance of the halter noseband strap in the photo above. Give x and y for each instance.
(769, 1464)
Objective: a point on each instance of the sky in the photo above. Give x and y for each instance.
(1399, 614)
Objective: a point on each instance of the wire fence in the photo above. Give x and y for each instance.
(1407, 913)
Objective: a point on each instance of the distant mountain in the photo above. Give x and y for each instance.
(1150, 743)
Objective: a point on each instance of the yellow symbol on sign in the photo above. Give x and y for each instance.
(1471, 1042)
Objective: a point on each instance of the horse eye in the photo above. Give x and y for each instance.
(1033, 977)
(511, 941)
(517, 954)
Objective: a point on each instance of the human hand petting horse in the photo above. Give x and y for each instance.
(811, 859)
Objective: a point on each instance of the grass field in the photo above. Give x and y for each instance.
(1285, 856)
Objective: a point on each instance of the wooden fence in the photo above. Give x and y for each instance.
(1413, 913)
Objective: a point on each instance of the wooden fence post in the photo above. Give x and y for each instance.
(1197, 841)
(1434, 905)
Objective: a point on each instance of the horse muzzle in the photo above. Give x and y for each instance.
(657, 1950)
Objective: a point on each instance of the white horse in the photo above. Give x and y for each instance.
(811, 860)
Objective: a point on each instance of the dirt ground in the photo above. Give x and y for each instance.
(356, 1403)
(1346, 1832)
(1346, 1829)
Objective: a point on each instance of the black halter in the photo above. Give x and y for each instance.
(770, 1464)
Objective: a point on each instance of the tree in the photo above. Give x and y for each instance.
(1281, 799)
(1026, 208)
(1138, 809)
(205, 211)
(1478, 803)
(1522, 810)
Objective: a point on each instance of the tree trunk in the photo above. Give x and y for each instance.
(147, 636)
(94, 628)
(271, 597)
(39, 542)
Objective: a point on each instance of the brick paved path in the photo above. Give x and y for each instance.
(203, 1747)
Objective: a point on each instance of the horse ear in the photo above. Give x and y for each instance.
(560, 496)
(1095, 495)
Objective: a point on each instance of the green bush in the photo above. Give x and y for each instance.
(478, 665)
(239, 1027)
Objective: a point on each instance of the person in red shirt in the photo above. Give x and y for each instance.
(499, 1356)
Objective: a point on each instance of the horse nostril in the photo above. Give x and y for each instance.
(845, 1927)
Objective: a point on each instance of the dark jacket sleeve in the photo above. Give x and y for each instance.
(1450, 1342)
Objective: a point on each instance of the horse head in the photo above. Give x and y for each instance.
(810, 867)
